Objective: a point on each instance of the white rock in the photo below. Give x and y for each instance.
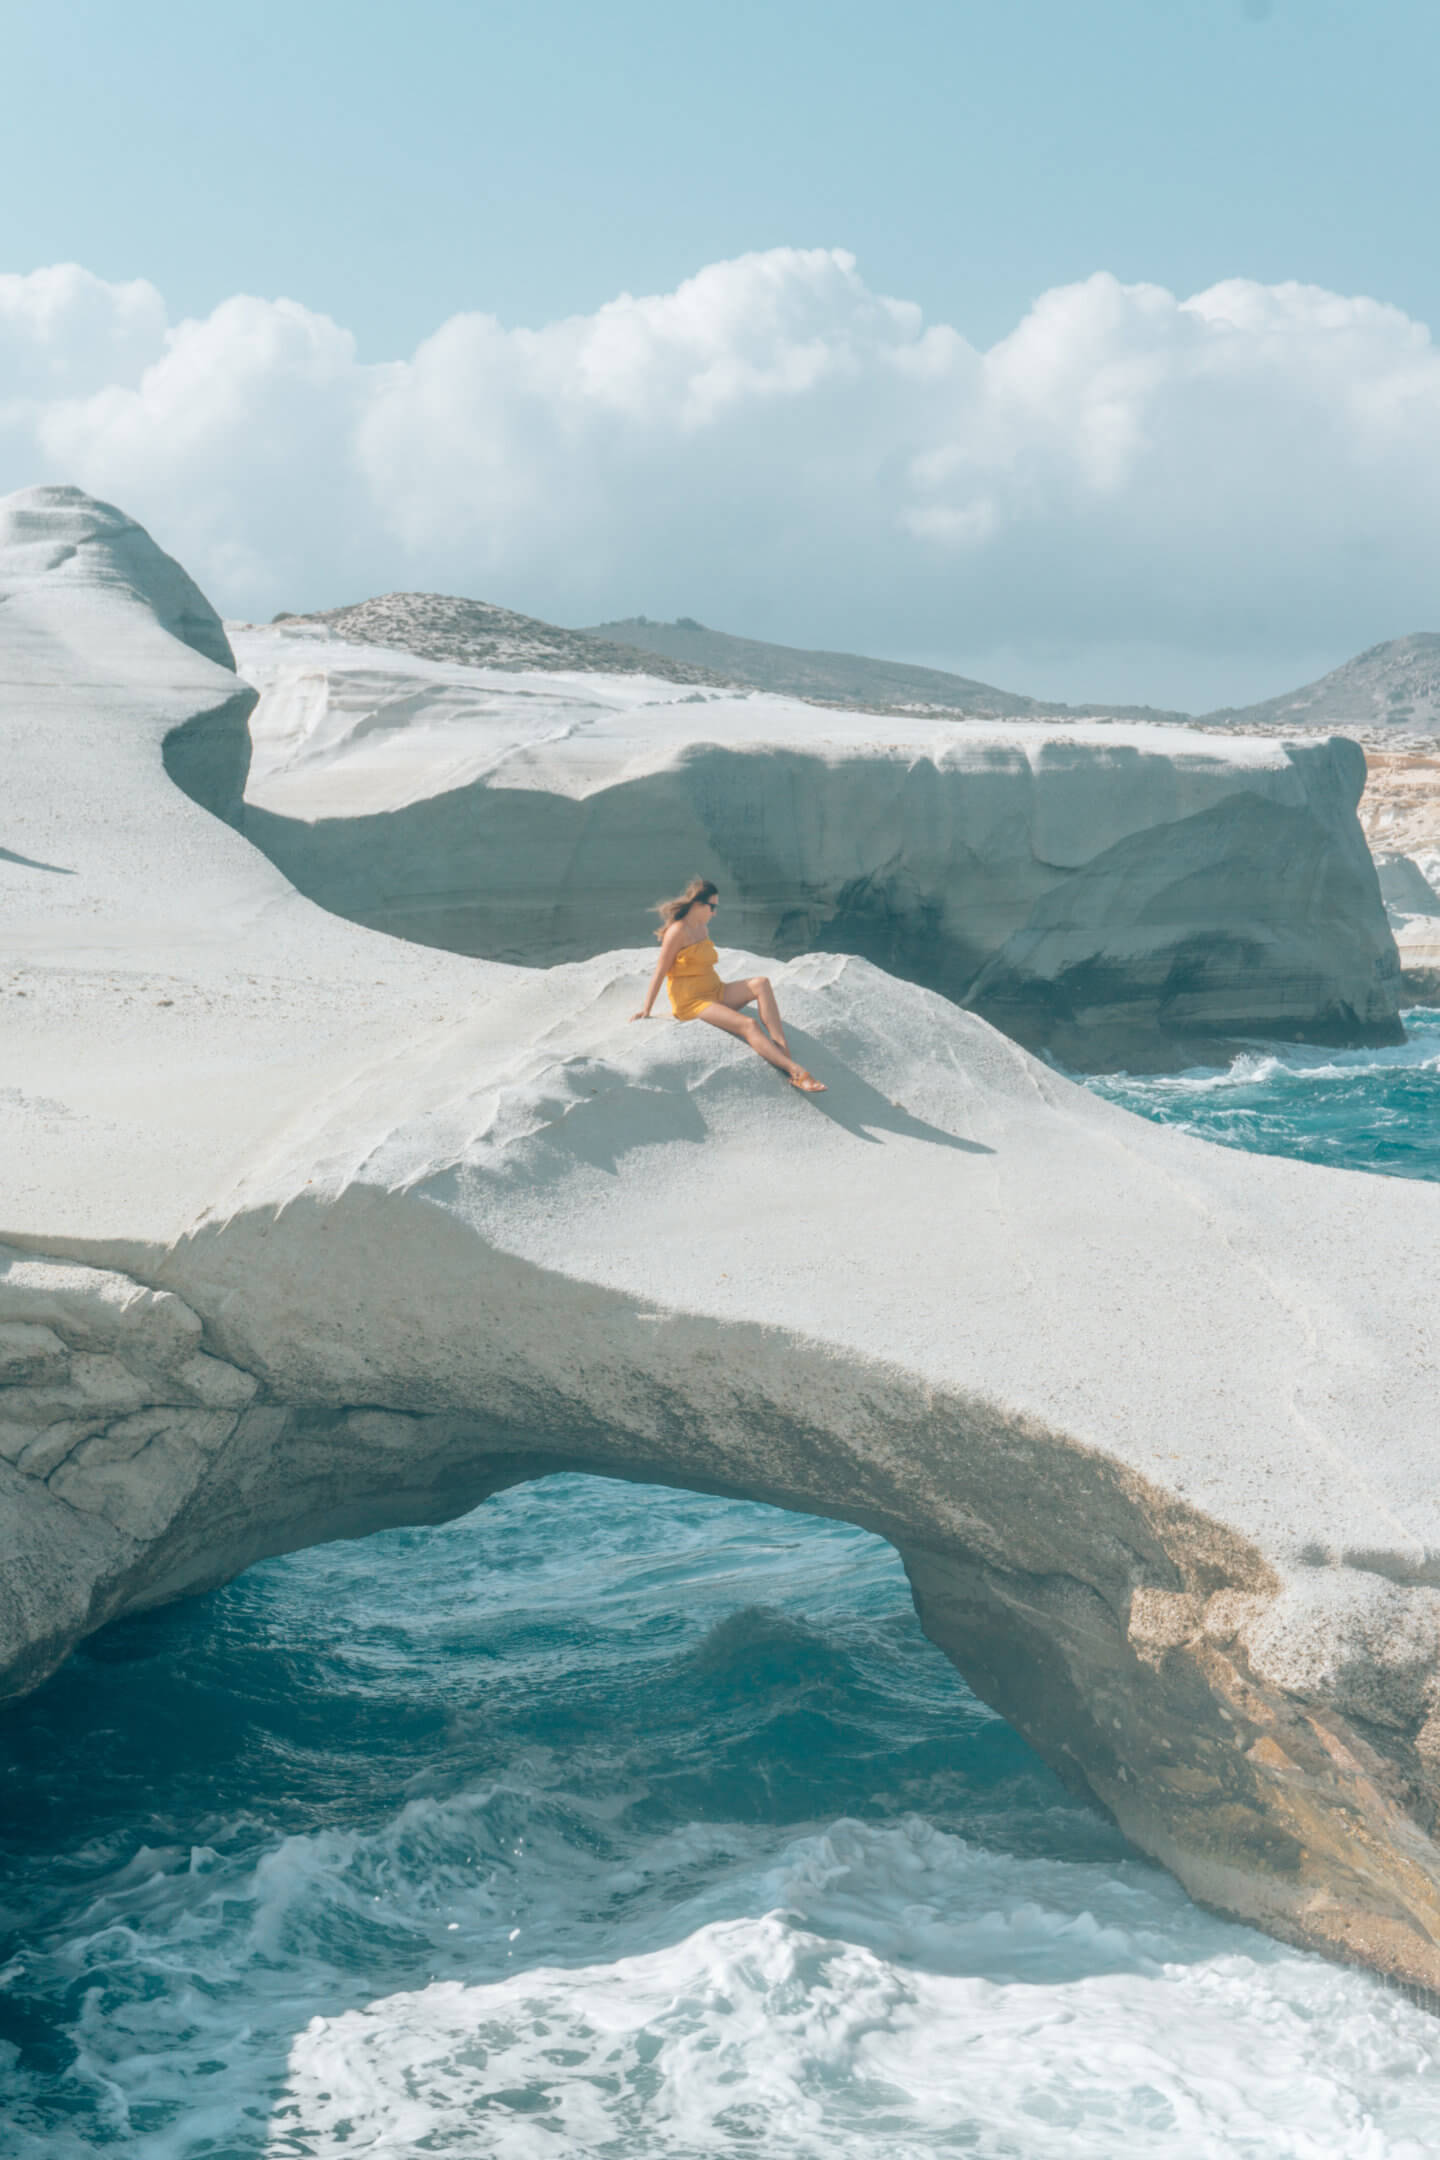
(216, 1384)
(29, 1353)
(1404, 888)
(1116, 1395)
(1115, 894)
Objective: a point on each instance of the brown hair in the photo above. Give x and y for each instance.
(673, 911)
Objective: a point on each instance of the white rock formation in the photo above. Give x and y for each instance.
(1400, 813)
(1412, 905)
(1112, 894)
(310, 1231)
(1400, 809)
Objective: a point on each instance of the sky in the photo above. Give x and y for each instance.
(1084, 348)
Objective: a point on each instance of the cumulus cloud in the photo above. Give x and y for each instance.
(1251, 471)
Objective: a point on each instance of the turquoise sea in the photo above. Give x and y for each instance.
(614, 1821)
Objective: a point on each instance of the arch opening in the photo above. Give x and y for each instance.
(385, 1783)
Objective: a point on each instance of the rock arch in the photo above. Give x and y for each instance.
(310, 1230)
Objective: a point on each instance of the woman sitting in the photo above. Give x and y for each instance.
(687, 967)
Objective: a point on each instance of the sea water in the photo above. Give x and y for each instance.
(617, 1821)
(1375, 1110)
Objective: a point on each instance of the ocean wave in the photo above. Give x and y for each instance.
(905, 1994)
(501, 1972)
(1376, 1110)
(618, 1821)
(1266, 1062)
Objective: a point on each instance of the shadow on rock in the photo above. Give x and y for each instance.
(863, 1110)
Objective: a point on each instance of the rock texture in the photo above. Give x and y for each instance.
(309, 1230)
(111, 1417)
(1115, 896)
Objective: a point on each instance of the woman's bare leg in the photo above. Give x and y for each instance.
(758, 991)
(750, 1031)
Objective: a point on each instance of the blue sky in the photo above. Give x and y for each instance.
(394, 167)
(392, 164)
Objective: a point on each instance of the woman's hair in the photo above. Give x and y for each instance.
(673, 911)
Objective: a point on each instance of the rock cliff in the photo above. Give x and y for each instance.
(1112, 895)
(309, 1231)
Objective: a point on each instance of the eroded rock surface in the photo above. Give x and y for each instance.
(1114, 895)
(312, 1231)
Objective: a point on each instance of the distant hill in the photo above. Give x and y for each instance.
(437, 626)
(843, 678)
(1393, 687)
(1391, 691)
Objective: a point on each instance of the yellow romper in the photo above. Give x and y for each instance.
(692, 981)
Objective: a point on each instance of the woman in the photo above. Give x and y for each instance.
(687, 966)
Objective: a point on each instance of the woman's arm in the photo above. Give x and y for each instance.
(669, 946)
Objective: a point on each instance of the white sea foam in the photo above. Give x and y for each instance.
(1367, 1109)
(900, 1992)
(1255, 1068)
(855, 1992)
(579, 1950)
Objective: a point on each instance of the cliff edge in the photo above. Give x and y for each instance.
(1112, 895)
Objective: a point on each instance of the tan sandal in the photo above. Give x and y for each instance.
(806, 1082)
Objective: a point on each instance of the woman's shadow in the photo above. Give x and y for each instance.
(861, 1109)
(28, 862)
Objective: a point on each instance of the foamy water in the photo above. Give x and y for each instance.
(616, 1821)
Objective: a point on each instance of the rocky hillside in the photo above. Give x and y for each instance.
(1388, 697)
(1393, 690)
(439, 626)
(844, 678)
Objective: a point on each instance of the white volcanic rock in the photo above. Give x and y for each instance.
(1405, 889)
(1400, 809)
(1412, 907)
(1113, 894)
(1417, 940)
(311, 1231)
(1400, 812)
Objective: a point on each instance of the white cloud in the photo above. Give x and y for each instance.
(1253, 472)
(64, 332)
